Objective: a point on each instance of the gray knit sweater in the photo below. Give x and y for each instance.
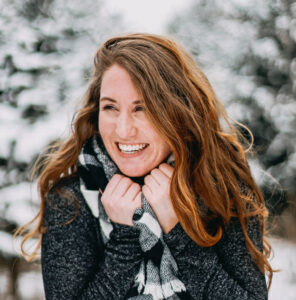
(76, 265)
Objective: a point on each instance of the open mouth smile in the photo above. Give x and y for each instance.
(131, 149)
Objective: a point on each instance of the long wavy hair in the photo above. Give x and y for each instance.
(211, 182)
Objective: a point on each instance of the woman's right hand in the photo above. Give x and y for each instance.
(121, 198)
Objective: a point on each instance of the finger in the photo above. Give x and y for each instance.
(166, 169)
(122, 186)
(160, 176)
(147, 191)
(138, 200)
(112, 184)
(151, 182)
(132, 191)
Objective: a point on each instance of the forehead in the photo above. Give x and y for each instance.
(117, 85)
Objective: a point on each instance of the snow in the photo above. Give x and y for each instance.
(15, 193)
(8, 115)
(27, 61)
(6, 137)
(238, 111)
(27, 289)
(257, 171)
(147, 15)
(293, 161)
(35, 138)
(44, 94)
(284, 282)
(292, 30)
(3, 282)
(20, 79)
(7, 244)
(265, 47)
(293, 66)
(284, 116)
(282, 22)
(11, 246)
(19, 203)
(245, 86)
(264, 98)
(25, 37)
(278, 144)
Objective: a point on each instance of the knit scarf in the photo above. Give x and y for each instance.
(158, 273)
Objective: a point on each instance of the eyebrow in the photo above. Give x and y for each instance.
(114, 101)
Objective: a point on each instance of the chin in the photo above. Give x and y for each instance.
(134, 173)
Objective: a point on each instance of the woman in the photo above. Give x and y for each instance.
(150, 197)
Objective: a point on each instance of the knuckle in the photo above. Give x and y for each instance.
(116, 177)
(154, 172)
(144, 189)
(136, 186)
(126, 180)
(103, 198)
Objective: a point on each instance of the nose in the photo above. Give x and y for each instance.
(125, 127)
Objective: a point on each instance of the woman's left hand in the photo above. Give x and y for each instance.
(157, 192)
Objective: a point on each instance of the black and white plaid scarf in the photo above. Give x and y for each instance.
(157, 276)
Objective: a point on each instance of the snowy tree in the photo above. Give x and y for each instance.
(248, 50)
(46, 55)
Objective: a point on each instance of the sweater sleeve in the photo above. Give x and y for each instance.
(225, 271)
(74, 264)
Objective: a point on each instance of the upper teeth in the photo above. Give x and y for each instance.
(131, 147)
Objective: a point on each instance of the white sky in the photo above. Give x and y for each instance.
(147, 15)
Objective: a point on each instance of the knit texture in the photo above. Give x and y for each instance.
(157, 275)
(76, 264)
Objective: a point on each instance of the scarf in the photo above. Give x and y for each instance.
(158, 273)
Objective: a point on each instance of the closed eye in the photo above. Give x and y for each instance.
(139, 108)
(108, 107)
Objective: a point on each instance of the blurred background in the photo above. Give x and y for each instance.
(247, 48)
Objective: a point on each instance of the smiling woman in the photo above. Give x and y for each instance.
(150, 198)
(130, 139)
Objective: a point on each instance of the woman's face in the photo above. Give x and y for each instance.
(131, 141)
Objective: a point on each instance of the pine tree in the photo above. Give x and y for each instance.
(248, 49)
(271, 64)
(46, 55)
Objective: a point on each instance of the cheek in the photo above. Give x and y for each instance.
(158, 142)
(101, 126)
(105, 127)
(165, 149)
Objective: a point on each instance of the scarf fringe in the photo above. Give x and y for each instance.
(170, 288)
(140, 278)
(154, 290)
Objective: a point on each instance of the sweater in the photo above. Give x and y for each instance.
(76, 264)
